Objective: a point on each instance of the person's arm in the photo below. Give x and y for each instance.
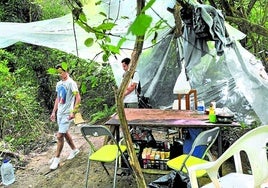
(130, 88)
(76, 104)
(133, 85)
(55, 108)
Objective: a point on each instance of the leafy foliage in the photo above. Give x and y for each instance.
(21, 11)
(251, 18)
(52, 9)
(97, 88)
(27, 96)
(18, 99)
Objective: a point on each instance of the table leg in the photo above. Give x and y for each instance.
(115, 130)
(220, 150)
(117, 133)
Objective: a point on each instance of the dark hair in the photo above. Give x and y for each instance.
(126, 61)
(59, 66)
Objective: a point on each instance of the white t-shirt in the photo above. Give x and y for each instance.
(132, 97)
(65, 90)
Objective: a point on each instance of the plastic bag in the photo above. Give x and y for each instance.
(182, 85)
(174, 179)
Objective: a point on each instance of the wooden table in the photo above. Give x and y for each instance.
(167, 119)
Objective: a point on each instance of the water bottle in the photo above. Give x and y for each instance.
(200, 107)
(7, 172)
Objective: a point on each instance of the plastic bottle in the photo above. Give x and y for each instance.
(201, 107)
(212, 115)
(7, 172)
(211, 109)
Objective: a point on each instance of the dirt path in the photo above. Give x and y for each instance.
(71, 173)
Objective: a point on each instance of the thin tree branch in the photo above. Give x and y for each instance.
(244, 23)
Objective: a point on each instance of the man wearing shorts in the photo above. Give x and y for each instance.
(66, 104)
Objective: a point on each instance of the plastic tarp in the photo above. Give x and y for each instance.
(59, 33)
(235, 79)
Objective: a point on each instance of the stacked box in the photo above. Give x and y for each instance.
(153, 158)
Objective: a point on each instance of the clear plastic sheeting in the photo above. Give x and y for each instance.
(158, 68)
(213, 79)
(234, 81)
(60, 33)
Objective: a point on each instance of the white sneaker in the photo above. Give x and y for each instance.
(55, 163)
(73, 154)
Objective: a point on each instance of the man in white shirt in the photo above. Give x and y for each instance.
(131, 95)
(65, 107)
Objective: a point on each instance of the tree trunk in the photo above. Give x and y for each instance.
(120, 106)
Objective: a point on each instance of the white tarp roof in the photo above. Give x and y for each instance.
(58, 33)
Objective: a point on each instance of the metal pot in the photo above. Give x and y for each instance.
(224, 118)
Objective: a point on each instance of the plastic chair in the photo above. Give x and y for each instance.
(107, 153)
(183, 162)
(254, 144)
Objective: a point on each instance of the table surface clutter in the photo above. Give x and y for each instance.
(165, 118)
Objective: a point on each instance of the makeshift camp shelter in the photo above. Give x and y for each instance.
(220, 69)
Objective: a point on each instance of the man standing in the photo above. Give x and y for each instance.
(66, 104)
(131, 95)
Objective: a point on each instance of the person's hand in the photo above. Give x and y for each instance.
(52, 116)
(71, 116)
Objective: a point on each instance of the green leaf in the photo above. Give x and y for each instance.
(83, 17)
(124, 17)
(140, 25)
(52, 71)
(89, 42)
(113, 49)
(106, 26)
(105, 57)
(64, 65)
(148, 5)
(99, 36)
(107, 39)
(103, 14)
(121, 41)
(98, 3)
(3, 68)
(83, 88)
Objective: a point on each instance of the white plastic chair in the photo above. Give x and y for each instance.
(253, 143)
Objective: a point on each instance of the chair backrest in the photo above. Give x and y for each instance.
(96, 131)
(205, 138)
(254, 144)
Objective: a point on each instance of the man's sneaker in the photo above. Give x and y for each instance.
(73, 154)
(55, 163)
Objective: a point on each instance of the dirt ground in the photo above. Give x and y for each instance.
(71, 173)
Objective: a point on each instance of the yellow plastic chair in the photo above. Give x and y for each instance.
(108, 153)
(254, 144)
(183, 162)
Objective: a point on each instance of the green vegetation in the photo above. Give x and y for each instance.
(28, 91)
(20, 111)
